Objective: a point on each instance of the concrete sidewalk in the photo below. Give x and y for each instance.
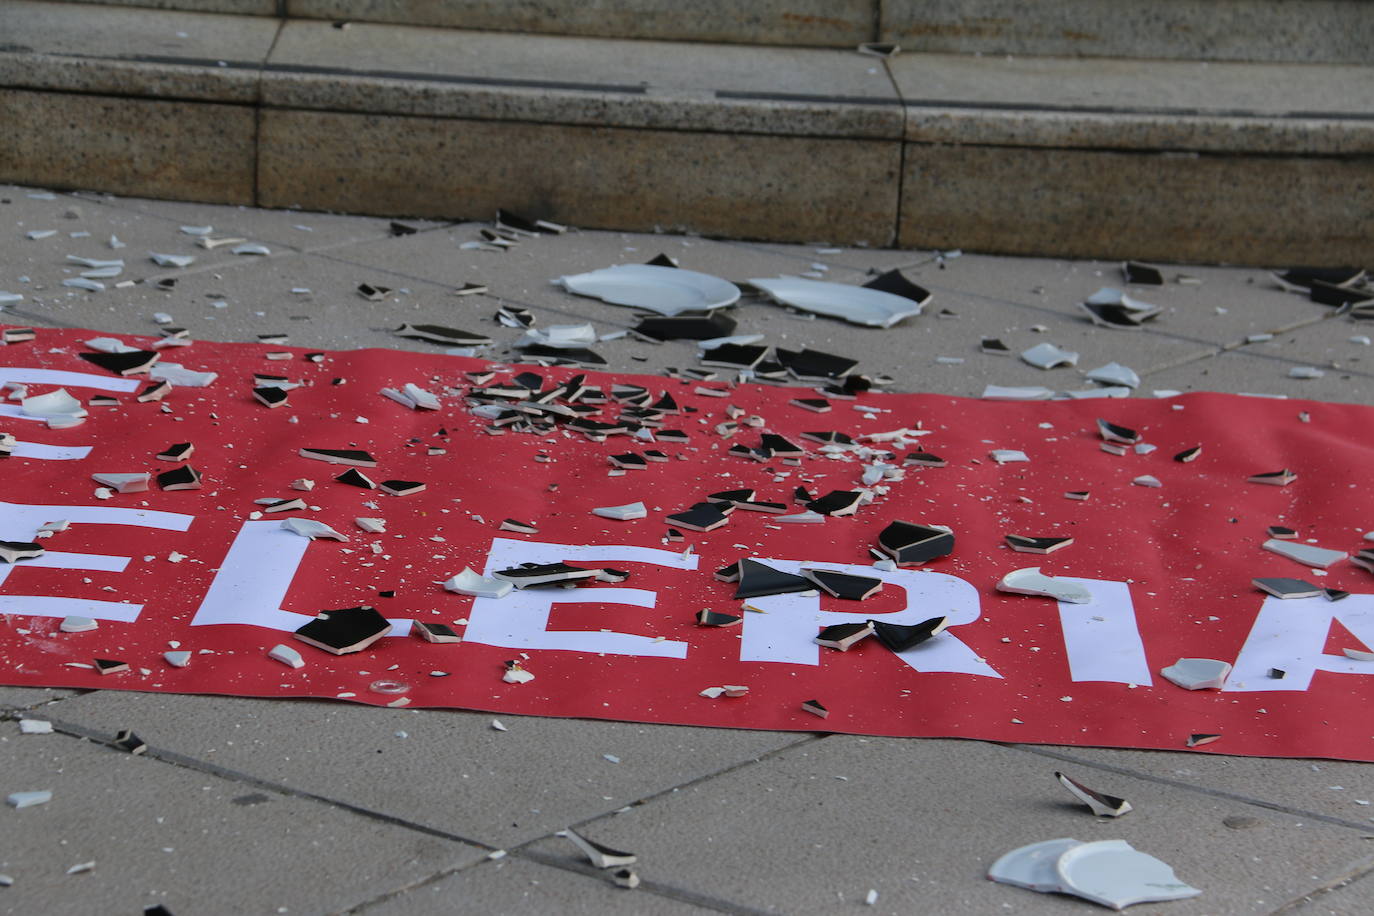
(261, 806)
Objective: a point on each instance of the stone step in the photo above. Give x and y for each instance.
(1167, 160)
(1312, 31)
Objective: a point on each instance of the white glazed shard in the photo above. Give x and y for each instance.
(1197, 673)
(371, 525)
(287, 656)
(800, 518)
(1306, 554)
(1114, 874)
(252, 248)
(28, 799)
(1147, 480)
(1033, 866)
(180, 376)
(124, 483)
(1048, 356)
(562, 336)
(75, 624)
(172, 260)
(468, 582)
(1030, 581)
(93, 286)
(1114, 374)
(177, 659)
(309, 528)
(1007, 455)
(35, 727)
(1101, 804)
(1011, 393)
(622, 513)
(59, 404)
(665, 290)
(856, 304)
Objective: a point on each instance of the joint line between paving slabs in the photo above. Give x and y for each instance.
(1190, 787)
(657, 888)
(1359, 871)
(415, 885)
(203, 766)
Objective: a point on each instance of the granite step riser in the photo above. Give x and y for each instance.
(1263, 210)
(1311, 31)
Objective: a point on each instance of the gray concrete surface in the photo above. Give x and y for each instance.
(268, 804)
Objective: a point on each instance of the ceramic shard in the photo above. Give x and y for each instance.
(344, 630)
(844, 585)
(1030, 581)
(757, 580)
(1114, 374)
(1101, 804)
(354, 457)
(1281, 478)
(1287, 588)
(1023, 544)
(134, 362)
(471, 583)
(287, 656)
(1197, 673)
(1306, 554)
(843, 636)
(622, 513)
(309, 528)
(665, 290)
(182, 478)
(435, 632)
(708, 618)
(899, 637)
(1048, 356)
(600, 856)
(816, 708)
(855, 304)
(1033, 866)
(910, 544)
(123, 483)
(1111, 432)
(1113, 874)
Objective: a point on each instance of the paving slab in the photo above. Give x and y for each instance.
(595, 81)
(1230, 30)
(509, 787)
(1333, 788)
(597, 177)
(152, 829)
(135, 52)
(515, 885)
(245, 7)
(18, 698)
(1215, 305)
(856, 838)
(795, 22)
(1257, 373)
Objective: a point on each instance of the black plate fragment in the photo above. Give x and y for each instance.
(12, 551)
(528, 575)
(110, 666)
(178, 452)
(687, 327)
(1140, 274)
(836, 502)
(401, 487)
(182, 478)
(355, 457)
(126, 740)
(435, 632)
(1188, 454)
(1287, 588)
(844, 585)
(924, 459)
(132, 363)
(895, 282)
(815, 708)
(437, 333)
(1023, 544)
(701, 517)
(734, 356)
(911, 544)
(356, 478)
(843, 636)
(1111, 432)
(815, 365)
(757, 580)
(519, 527)
(345, 630)
(900, 637)
(270, 396)
(709, 618)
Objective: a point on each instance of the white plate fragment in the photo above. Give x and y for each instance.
(564, 336)
(1011, 393)
(800, 518)
(1033, 866)
(1048, 356)
(1114, 874)
(1197, 673)
(371, 525)
(309, 528)
(28, 799)
(857, 304)
(35, 727)
(1008, 455)
(172, 260)
(57, 403)
(1030, 581)
(1147, 480)
(665, 290)
(286, 655)
(124, 483)
(178, 659)
(622, 513)
(1306, 554)
(180, 376)
(1114, 374)
(1306, 372)
(251, 248)
(93, 286)
(468, 582)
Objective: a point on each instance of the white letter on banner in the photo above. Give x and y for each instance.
(21, 522)
(1290, 634)
(1101, 638)
(254, 578)
(521, 619)
(786, 632)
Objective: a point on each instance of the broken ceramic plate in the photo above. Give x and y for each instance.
(1030, 581)
(172, 260)
(666, 290)
(856, 304)
(1114, 374)
(1012, 393)
(309, 528)
(1033, 866)
(1197, 673)
(562, 336)
(180, 376)
(57, 403)
(1306, 554)
(468, 582)
(1112, 873)
(1101, 804)
(623, 513)
(1047, 356)
(124, 483)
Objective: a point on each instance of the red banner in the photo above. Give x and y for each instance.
(1162, 571)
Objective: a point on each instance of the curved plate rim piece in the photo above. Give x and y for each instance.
(1076, 858)
(1040, 863)
(839, 299)
(1043, 585)
(617, 285)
